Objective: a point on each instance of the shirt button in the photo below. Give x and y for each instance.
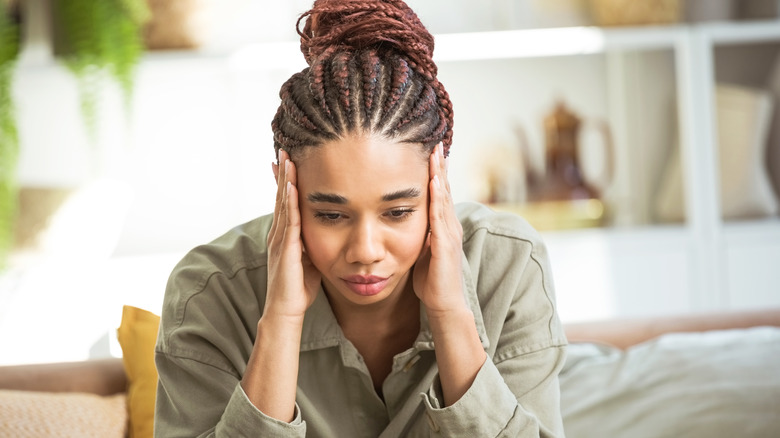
(411, 362)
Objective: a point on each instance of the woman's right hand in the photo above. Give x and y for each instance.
(293, 281)
(271, 375)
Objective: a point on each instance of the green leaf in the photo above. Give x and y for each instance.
(9, 137)
(102, 38)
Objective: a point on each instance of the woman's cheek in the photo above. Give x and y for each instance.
(318, 243)
(308, 237)
(413, 238)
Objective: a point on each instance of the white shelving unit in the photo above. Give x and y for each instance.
(706, 263)
(721, 256)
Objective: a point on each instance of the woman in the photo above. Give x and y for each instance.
(367, 304)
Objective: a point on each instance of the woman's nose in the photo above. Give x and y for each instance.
(365, 244)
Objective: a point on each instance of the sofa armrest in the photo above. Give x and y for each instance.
(625, 332)
(95, 376)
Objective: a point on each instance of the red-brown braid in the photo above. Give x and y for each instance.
(370, 70)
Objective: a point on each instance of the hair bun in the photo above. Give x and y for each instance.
(382, 25)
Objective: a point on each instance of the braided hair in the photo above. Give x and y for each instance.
(370, 71)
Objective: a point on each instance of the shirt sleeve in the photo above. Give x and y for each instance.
(516, 392)
(199, 400)
(491, 408)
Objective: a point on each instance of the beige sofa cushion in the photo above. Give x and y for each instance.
(29, 414)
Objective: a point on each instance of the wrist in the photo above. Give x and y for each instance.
(280, 323)
(459, 351)
(271, 374)
(280, 310)
(445, 320)
(452, 306)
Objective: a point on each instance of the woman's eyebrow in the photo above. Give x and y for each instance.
(409, 193)
(329, 198)
(332, 198)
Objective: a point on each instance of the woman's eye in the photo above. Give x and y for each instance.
(400, 214)
(327, 217)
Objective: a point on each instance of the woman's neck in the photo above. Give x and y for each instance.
(380, 331)
(400, 309)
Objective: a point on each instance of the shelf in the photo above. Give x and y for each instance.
(529, 43)
(471, 46)
(741, 33)
(652, 235)
(762, 231)
(526, 43)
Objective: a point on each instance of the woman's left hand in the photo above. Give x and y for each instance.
(437, 278)
(438, 282)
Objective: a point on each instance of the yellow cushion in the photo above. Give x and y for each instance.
(137, 335)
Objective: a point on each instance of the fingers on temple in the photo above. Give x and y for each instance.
(444, 167)
(293, 215)
(443, 221)
(279, 207)
(439, 166)
(291, 172)
(279, 173)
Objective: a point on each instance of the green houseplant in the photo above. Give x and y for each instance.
(9, 139)
(98, 40)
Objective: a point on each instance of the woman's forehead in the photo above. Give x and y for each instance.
(362, 164)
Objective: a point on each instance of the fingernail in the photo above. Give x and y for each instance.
(436, 158)
(436, 180)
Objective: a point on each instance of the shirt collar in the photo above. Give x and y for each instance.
(321, 330)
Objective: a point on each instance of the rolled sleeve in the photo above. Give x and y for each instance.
(490, 408)
(469, 416)
(243, 419)
(198, 400)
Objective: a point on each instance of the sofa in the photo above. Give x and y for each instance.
(697, 375)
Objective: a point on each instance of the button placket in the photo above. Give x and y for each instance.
(432, 422)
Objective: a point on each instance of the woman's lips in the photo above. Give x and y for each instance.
(365, 285)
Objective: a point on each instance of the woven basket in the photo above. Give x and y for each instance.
(176, 24)
(635, 12)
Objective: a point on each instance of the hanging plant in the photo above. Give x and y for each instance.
(9, 138)
(100, 39)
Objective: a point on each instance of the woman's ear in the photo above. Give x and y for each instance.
(275, 168)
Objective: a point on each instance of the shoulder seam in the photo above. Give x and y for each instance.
(497, 231)
(201, 286)
(190, 355)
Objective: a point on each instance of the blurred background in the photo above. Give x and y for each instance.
(641, 137)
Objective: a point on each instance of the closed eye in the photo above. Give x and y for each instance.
(400, 214)
(328, 217)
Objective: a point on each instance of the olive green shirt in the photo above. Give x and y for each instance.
(209, 321)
